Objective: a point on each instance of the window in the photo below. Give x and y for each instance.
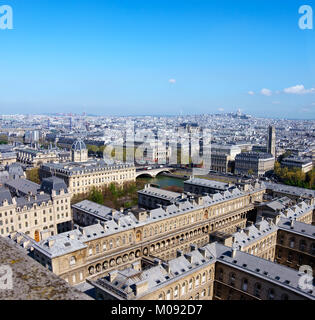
(232, 279)
(289, 256)
(257, 290)
(197, 282)
(183, 291)
(292, 242)
(271, 294)
(176, 292)
(302, 245)
(72, 261)
(168, 295)
(190, 285)
(220, 276)
(245, 285)
(203, 280)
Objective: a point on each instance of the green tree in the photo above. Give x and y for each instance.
(96, 196)
(33, 175)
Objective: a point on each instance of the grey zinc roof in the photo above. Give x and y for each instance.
(72, 168)
(301, 228)
(23, 186)
(160, 193)
(53, 183)
(157, 276)
(277, 204)
(297, 210)
(208, 183)
(61, 244)
(265, 269)
(290, 189)
(255, 232)
(5, 195)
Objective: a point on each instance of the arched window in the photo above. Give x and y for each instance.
(168, 295)
(232, 279)
(257, 290)
(190, 284)
(161, 296)
(183, 291)
(197, 282)
(292, 242)
(220, 276)
(302, 245)
(271, 294)
(176, 292)
(245, 285)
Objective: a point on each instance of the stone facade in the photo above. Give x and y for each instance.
(35, 211)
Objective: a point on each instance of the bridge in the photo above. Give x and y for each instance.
(153, 172)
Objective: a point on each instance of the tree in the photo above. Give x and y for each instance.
(33, 175)
(96, 196)
(3, 139)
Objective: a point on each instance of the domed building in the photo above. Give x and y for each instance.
(79, 152)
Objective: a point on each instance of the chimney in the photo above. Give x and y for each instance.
(179, 253)
(113, 275)
(189, 257)
(51, 243)
(141, 287)
(166, 266)
(234, 250)
(193, 247)
(292, 223)
(71, 236)
(203, 252)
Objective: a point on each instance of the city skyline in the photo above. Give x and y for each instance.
(138, 58)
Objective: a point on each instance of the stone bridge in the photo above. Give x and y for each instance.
(153, 172)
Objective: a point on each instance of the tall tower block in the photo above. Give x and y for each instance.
(271, 147)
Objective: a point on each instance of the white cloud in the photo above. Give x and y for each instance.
(221, 109)
(251, 93)
(266, 92)
(299, 89)
(172, 80)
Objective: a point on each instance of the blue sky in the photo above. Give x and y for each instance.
(131, 57)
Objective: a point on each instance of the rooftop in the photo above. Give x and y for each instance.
(31, 281)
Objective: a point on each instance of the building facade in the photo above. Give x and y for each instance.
(256, 163)
(213, 272)
(122, 238)
(38, 211)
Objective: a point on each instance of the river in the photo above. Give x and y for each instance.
(164, 181)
